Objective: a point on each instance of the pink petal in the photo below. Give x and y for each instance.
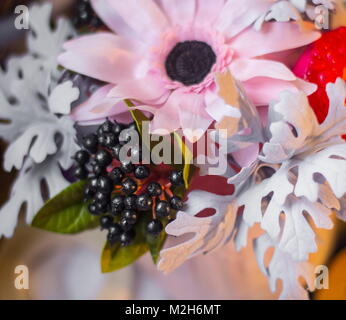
(99, 57)
(273, 37)
(100, 39)
(217, 108)
(208, 11)
(180, 12)
(98, 107)
(143, 90)
(193, 118)
(166, 118)
(245, 69)
(236, 15)
(111, 18)
(144, 17)
(262, 91)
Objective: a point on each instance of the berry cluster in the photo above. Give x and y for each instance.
(84, 15)
(120, 191)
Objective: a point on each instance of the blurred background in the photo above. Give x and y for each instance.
(67, 267)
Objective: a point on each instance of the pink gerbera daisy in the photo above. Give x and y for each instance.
(166, 54)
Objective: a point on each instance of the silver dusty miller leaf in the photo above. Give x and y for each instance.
(209, 232)
(34, 129)
(26, 190)
(41, 136)
(282, 266)
(44, 41)
(308, 172)
(298, 10)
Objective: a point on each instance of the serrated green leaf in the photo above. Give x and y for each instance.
(66, 213)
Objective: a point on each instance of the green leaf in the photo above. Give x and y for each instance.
(66, 212)
(117, 257)
(155, 244)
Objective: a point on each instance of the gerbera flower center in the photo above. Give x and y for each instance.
(190, 62)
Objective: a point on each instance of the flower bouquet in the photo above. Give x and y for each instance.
(185, 120)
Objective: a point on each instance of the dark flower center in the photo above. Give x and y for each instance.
(190, 62)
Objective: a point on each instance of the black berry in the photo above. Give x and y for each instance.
(127, 167)
(129, 186)
(125, 224)
(116, 175)
(114, 233)
(116, 151)
(80, 172)
(90, 142)
(103, 158)
(176, 178)
(162, 209)
(142, 172)
(105, 184)
(154, 189)
(106, 222)
(102, 197)
(130, 202)
(92, 183)
(110, 140)
(127, 237)
(144, 202)
(101, 207)
(88, 192)
(117, 128)
(93, 208)
(101, 140)
(154, 227)
(176, 203)
(81, 157)
(98, 169)
(106, 127)
(117, 204)
(130, 216)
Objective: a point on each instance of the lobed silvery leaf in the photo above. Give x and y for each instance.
(283, 11)
(282, 266)
(44, 41)
(297, 10)
(309, 163)
(27, 189)
(40, 134)
(209, 232)
(33, 127)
